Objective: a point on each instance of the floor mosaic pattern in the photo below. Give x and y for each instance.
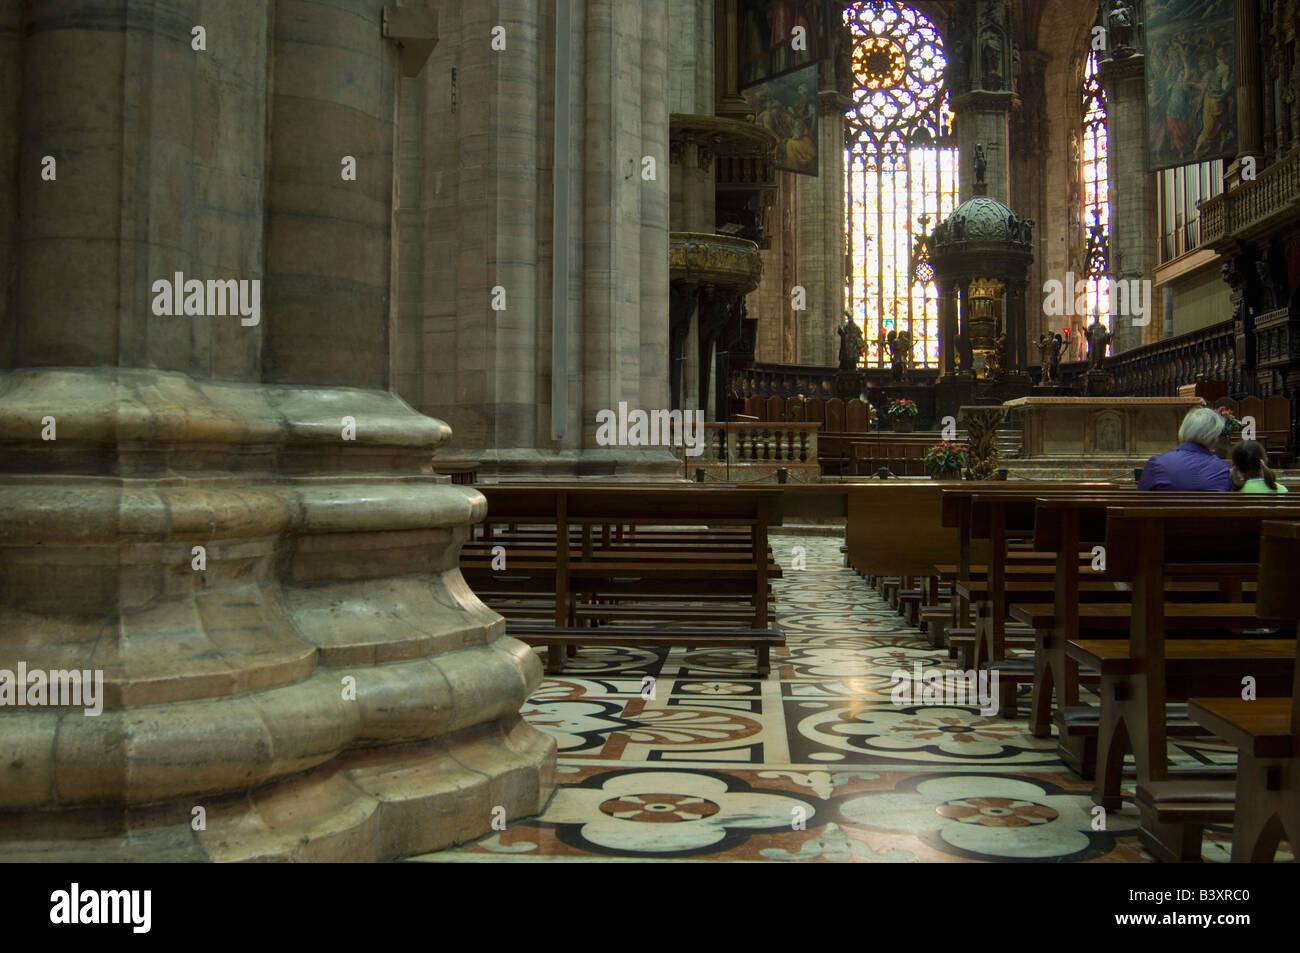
(675, 754)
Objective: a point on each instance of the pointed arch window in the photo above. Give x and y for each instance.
(1096, 194)
(901, 174)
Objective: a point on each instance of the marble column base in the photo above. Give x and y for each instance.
(292, 666)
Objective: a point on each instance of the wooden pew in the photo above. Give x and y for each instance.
(1066, 524)
(1145, 544)
(1266, 732)
(610, 557)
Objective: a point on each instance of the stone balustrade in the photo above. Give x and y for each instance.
(762, 442)
(1254, 207)
(745, 452)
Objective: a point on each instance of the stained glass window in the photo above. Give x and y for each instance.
(1096, 194)
(901, 174)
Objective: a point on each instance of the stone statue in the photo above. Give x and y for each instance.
(981, 165)
(1268, 298)
(996, 359)
(1119, 29)
(999, 357)
(991, 60)
(1099, 338)
(958, 65)
(1050, 346)
(851, 344)
(900, 353)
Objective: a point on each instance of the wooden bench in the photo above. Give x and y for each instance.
(1146, 544)
(647, 564)
(901, 453)
(1070, 523)
(1266, 732)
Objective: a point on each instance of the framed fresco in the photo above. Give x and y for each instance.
(765, 31)
(1191, 77)
(787, 105)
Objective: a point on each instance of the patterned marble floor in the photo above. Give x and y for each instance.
(677, 755)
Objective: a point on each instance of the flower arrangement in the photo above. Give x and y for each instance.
(947, 457)
(1233, 423)
(902, 408)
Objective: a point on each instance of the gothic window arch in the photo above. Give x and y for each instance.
(1094, 173)
(901, 174)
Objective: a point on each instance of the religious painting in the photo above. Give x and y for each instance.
(769, 43)
(787, 105)
(1191, 65)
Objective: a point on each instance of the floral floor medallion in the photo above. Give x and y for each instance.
(685, 755)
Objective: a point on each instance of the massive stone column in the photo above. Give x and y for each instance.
(492, 346)
(1133, 227)
(821, 236)
(227, 520)
(982, 77)
(624, 318)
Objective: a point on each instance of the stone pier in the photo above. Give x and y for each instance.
(233, 527)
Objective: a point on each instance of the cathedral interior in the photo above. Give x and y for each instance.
(417, 419)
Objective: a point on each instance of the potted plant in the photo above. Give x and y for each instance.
(1232, 427)
(902, 414)
(947, 460)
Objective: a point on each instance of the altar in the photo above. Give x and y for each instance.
(1103, 437)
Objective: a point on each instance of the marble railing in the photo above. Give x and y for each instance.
(1254, 206)
(773, 444)
(1159, 369)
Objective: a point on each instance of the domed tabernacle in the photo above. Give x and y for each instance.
(982, 218)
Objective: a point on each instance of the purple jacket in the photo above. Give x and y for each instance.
(1188, 466)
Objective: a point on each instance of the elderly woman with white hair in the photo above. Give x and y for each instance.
(1193, 464)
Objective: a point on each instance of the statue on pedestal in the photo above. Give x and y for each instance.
(981, 164)
(1050, 346)
(1099, 338)
(851, 344)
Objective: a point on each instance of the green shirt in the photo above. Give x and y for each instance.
(1257, 485)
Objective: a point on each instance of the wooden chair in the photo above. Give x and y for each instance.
(856, 416)
(835, 416)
